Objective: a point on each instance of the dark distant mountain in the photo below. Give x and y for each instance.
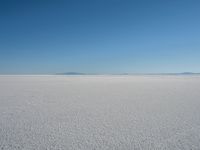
(71, 73)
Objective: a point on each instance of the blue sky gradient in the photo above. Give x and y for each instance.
(99, 36)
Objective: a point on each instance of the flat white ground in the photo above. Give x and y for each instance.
(100, 112)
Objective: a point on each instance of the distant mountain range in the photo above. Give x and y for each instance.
(188, 73)
(80, 73)
(183, 73)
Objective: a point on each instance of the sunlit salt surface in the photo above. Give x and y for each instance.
(100, 112)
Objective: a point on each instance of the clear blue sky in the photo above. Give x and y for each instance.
(99, 36)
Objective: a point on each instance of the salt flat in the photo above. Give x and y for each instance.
(100, 112)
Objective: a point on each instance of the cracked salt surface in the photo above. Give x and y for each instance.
(100, 112)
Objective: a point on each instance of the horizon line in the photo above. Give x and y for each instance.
(80, 73)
